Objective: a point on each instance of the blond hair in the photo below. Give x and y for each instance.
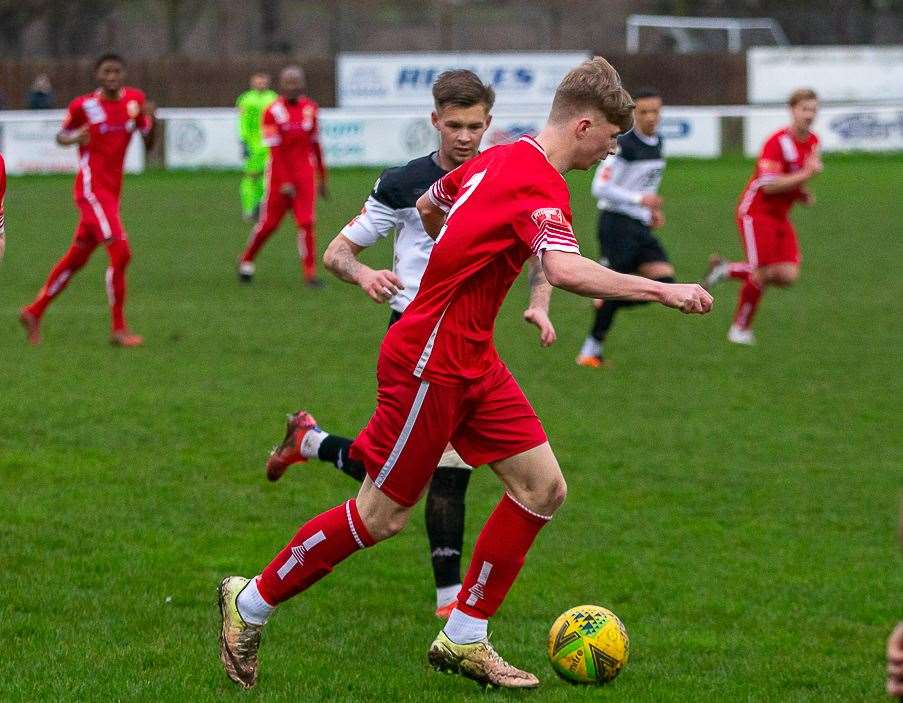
(800, 94)
(594, 84)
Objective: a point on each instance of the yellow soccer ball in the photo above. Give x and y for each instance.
(588, 644)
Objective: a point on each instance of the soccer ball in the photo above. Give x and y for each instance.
(588, 644)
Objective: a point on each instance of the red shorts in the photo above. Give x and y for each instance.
(99, 220)
(485, 421)
(768, 240)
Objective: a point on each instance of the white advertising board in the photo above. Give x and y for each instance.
(836, 73)
(29, 145)
(854, 128)
(522, 80)
(689, 132)
(201, 138)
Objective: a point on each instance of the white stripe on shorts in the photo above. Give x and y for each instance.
(403, 437)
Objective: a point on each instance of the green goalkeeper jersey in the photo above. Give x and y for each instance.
(251, 105)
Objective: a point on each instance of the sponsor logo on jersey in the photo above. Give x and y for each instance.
(550, 215)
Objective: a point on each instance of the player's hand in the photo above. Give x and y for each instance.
(288, 190)
(689, 298)
(540, 318)
(381, 285)
(807, 197)
(813, 164)
(82, 135)
(149, 108)
(652, 200)
(894, 683)
(658, 219)
(323, 190)
(2, 245)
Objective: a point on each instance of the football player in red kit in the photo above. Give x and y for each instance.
(295, 174)
(101, 124)
(789, 159)
(441, 380)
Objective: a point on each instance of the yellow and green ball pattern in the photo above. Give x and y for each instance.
(588, 644)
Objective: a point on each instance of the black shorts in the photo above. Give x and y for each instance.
(626, 244)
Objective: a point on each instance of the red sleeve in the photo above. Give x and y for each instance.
(315, 146)
(75, 116)
(271, 135)
(543, 222)
(771, 160)
(143, 122)
(444, 191)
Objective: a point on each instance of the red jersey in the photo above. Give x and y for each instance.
(111, 124)
(290, 129)
(782, 153)
(504, 206)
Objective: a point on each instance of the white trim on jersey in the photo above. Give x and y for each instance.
(404, 436)
(749, 236)
(439, 196)
(428, 348)
(92, 199)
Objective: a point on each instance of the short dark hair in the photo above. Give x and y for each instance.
(646, 92)
(109, 56)
(800, 94)
(462, 88)
(594, 84)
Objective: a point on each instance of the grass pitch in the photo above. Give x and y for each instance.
(736, 507)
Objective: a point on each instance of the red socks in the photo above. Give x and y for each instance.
(747, 303)
(59, 277)
(307, 251)
(120, 255)
(318, 546)
(498, 557)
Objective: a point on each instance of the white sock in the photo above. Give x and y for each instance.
(591, 347)
(310, 445)
(446, 594)
(251, 605)
(464, 629)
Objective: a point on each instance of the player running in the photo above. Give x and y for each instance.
(462, 115)
(789, 160)
(102, 124)
(626, 186)
(295, 173)
(440, 380)
(251, 105)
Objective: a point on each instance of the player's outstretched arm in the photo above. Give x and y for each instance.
(537, 312)
(791, 181)
(577, 274)
(340, 258)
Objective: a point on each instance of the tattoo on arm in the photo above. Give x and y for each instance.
(540, 290)
(345, 265)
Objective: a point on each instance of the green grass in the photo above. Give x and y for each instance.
(736, 507)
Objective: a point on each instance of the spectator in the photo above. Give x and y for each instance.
(40, 96)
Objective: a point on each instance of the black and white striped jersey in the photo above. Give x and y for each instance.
(622, 179)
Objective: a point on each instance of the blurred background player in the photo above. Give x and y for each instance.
(789, 159)
(461, 117)
(295, 173)
(251, 105)
(626, 186)
(101, 124)
(2, 217)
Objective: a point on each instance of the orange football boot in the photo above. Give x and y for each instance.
(289, 452)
